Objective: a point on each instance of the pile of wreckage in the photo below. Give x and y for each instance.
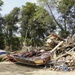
(57, 53)
(63, 51)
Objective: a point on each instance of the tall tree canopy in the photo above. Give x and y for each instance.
(35, 24)
(2, 45)
(10, 25)
(67, 10)
(50, 5)
(66, 13)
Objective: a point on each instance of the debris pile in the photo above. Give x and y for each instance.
(57, 53)
(63, 55)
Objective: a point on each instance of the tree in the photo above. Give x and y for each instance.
(1, 3)
(41, 25)
(10, 25)
(67, 10)
(2, 41)
(26, 13)
(35, 24)
(16, 43)
(50, 6)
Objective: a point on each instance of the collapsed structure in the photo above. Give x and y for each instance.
(57, 53)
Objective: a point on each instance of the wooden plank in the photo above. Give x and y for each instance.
(56, 47)
(65, 53)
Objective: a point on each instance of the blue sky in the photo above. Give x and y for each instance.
(10, 4)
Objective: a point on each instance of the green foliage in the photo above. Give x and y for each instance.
(35, 22)
(64, 34)
(51, 6)
(1, 3)
(10, 25)
(66, 13)
(67, 10)
(16, 43)
(2, 39)
(2, 42)
(65, 6)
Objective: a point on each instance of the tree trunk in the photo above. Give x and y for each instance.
(60, 26)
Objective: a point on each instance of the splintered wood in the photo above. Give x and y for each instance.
(57, 52)
(63, 51)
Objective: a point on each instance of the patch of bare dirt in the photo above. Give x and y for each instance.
(8, 68)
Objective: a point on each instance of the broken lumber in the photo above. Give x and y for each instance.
(56, 47)
(65, 53)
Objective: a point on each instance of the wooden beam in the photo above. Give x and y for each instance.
(56, 47)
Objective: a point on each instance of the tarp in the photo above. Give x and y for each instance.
(2, 52)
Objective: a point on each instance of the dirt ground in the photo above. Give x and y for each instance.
(8, 68)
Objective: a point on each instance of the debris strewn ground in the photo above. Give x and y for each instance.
(62, 58)
(8, 68)
(62, 52)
